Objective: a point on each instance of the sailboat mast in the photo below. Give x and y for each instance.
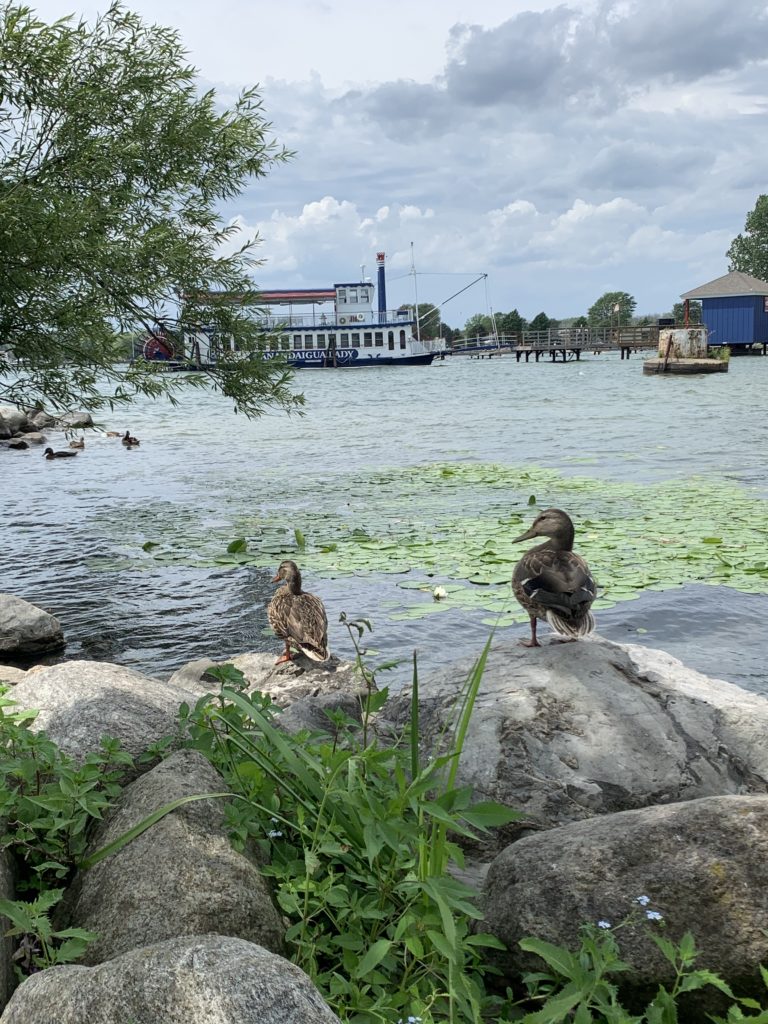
(416, 296)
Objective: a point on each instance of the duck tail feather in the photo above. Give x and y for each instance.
(567, 627)
(314, 653)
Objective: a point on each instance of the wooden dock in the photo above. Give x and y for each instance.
(561, 345)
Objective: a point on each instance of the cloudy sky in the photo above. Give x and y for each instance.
(563, 149)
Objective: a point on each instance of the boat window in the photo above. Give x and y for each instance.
(341, 295)
(297, 341)
(321, 341)
(355, 337)
(367, 339)
(344, 339)
(308, 342)
(379, 336)
(331, 341)
(285, 341)
(402, 339)
(353, 295)
(390, 340)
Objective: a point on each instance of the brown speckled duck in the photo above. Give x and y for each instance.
(552, 582)
(298, 618)
(130, 442)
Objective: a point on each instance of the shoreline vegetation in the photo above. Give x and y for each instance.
(366, 822)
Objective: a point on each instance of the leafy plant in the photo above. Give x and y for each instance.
(47, 803)
(581, 986)
(359, 837)
(40, 945)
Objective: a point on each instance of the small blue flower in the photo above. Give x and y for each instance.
(603, 924)
(653, 915)
(643, 901)
(274, 834)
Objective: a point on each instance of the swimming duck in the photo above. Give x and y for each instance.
(51, 454)
(298, 618)
(113, 433)
(130, 442)
(79, 443)
(552, 582)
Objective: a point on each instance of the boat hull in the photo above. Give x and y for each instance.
(347, 359)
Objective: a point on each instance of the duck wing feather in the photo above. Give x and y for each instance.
(557, 586)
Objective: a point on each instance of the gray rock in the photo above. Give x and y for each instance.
(41, 420)
(10, 676)
(74, 420)
(26, 630)
(307, 690)
(180, 877)
(81, 701)
(210, 979)
(17, 444)
(15, 419)
(703, 864)
(33, 437)
(5, 430)
(568, 731)
(7, 979)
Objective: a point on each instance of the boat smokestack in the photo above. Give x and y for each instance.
(382, 287)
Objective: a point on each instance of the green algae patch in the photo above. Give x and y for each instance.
(453, 524)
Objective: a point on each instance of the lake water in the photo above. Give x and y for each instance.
(75, 529)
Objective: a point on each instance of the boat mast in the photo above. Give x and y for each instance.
(416, 297)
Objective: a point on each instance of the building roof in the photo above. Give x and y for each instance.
(735, 283)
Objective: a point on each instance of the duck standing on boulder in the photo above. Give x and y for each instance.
(552, 582)
(298, 618)
(49, 453)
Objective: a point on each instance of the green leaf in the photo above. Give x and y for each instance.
(236, 546)
(559, 959)
(372, 958)
(150, 545)
(117, 844)
(301, 541)
(487, 813)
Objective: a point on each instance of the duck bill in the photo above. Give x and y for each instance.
(275, 579)
(524, 536)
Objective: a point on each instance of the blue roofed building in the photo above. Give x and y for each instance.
(734, 309)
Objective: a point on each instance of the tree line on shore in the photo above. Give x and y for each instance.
(613, 309)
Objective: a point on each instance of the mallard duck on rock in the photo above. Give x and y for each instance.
(552, 582)
(298, 618)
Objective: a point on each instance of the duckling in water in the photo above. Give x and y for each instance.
(298, 618)
(552, 582)
(130, 442)
(49, 453)
(79, 443)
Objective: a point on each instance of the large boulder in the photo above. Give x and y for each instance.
(702, 865)
(5, 430)
(210, 979)
(26, 630)
(9, 675)
(74, 420)
(180, 877)
(308, 692)
(41, 420)
(81, 701)
(15, 419)
(567, 731)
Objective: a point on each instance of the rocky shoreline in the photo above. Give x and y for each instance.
(20, 429)
(636, 776)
